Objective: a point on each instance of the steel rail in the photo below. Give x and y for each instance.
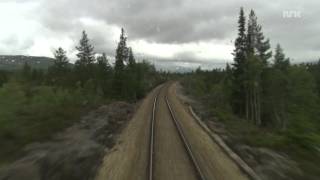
(186, 143)
(152, 132)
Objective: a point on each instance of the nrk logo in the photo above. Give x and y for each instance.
(291, 14)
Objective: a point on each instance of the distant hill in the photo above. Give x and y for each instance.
(12, 62)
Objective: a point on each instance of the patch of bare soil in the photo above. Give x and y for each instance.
(75, 153)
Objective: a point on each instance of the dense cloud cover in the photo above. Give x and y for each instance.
(188, 31)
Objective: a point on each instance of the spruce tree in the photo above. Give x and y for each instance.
(104, 62)
(133, 77)
(85, 63)
(238, 92)
(85, 54)
(103, 75)
(121, 53)
(57, 73)
(258, 52)
(240, 44)
(280, 60)
(252, 33)
(119, 68)
(131, 58)
(276, 91)
(263, 47)
(256, 42)
(252, 83)
(61, 60)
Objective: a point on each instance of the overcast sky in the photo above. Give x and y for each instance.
(180, 32)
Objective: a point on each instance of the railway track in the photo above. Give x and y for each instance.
(179, 129)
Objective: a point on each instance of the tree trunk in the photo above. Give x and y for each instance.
(247, 104)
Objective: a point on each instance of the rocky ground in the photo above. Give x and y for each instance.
(267, 163)
(76, 153)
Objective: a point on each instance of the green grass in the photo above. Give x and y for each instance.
(30, 114)
(299, 147)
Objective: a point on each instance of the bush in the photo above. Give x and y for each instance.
(34, 114)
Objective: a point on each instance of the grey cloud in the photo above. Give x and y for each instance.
(160, 21)
(184, 21)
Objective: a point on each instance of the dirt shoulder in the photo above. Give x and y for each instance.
(128, 158)
(74, 153)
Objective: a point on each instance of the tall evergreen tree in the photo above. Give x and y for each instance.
(121, 58)
(252, 33)
(85, 54)
(103, 75)
(277, 90)
(121, 53)
(131, 59)
(263, 47)
(240, 44)
(239, 53)
(61, 59)
(258, 53)
(57, 73)
(252, 83)
(280, 60)
(256, 42)
(103, 62)
(85, 63)
(132, 76)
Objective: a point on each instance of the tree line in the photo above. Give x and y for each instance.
(37, 103)
(263, 87)
(127, 79)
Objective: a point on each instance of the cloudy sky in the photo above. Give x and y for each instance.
(185, 33)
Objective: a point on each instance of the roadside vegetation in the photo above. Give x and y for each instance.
(36, 103)
(263, 99)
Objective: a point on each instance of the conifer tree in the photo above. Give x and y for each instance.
(61, 60)
(239, 53)
(121, 53)
(57, 73)
(85, 63)
(103, 75)
(256, 42)
(240, 44)
(133, 76)
(119, 68)
(131, 58)
(277, 90)
(252, 33)
(252, 83)
(263, 47)
(85, 54)
(103, 62)
(258, 52)
(280, 60)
